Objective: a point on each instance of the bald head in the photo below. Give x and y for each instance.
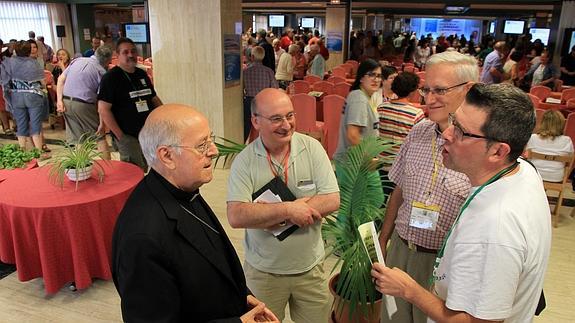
(267, 97)
(164, 127)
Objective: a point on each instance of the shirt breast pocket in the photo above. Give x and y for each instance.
(456, 185)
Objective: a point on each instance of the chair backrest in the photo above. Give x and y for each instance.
(540, 91)
(567, 161)
(549, 106)
(569, 129)
(348, 69)
(336, 79)
(535, 100)
(305, 109)
(311, 79)
(571, 103)
(332, 111)
(567, 95)
(354, 66)
(339, 71)
(323, 86)
(558, 86)
(421, 75)
(300, 86)
(341, 89)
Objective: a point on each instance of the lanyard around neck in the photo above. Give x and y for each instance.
(468, 201)
(284, 163)
(441, 251)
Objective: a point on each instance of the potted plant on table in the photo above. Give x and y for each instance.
(361, 201)
(77, 161)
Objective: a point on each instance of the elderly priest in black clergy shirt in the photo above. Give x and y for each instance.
(172, 260)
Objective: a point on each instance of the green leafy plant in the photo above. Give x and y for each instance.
(361, 201)
(13, 156)
(228, 149)
(76, 157)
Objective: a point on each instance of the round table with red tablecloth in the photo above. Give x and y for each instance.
(59, 233)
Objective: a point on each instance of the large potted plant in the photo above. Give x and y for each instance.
(361, 201)
(77, 161)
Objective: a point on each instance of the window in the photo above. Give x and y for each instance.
(17, 18)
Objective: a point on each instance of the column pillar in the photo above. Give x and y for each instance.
(196, 50)
(335, 21)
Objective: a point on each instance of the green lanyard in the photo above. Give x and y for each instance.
(441, 251)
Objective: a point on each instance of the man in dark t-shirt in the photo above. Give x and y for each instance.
(125, 98)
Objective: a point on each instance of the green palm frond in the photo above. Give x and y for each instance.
(361, 201)
(228, 149)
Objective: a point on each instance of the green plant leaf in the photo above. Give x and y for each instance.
(361, 201)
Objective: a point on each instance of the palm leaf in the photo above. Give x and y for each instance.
(361, 199)
(228, 149)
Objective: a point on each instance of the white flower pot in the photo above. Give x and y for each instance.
(81, 174)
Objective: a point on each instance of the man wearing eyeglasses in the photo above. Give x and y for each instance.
(427, 195)
(171, 258)
(278, 272)
(125, 98)
(492, 263)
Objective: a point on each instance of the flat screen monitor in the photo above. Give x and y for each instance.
(276, 20)
(568, 41)
(138, 32)
(540, 33)
(514, 27)
(307, 22)
(492, 27)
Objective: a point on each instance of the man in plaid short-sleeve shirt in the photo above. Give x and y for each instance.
(256, 78)
(427, 196)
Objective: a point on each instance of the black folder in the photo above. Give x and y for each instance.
(278, 187)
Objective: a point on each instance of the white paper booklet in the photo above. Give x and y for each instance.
(371, 244)
(269, 197)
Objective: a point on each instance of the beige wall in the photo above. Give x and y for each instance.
(187, 50)
(335, 21)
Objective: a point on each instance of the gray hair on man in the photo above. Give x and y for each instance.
(156, 133)
(104, 55)
(465, 66)
(258, 53)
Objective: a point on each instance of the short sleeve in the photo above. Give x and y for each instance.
(240, 183)
(106, 90)
(356, 109)
(396, 172)
(484, 279)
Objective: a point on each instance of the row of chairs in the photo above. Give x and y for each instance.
(326, 131)
(542, 92)
(327, 87)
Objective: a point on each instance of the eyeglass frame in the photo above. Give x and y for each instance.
(452, 121)
(373, 75)
(278, 120)
(422, 91)
(202, 148)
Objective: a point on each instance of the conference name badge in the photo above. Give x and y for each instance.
(424, 216)
(142, 106)
(140, 93)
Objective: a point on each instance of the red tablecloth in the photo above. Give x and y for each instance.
(61, 234)
(5, 173)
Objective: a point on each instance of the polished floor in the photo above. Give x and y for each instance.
(26, 301)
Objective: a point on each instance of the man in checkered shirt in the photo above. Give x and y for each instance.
(428, 196)
(256, 78)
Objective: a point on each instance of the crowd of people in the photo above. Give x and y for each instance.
(465, 215)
